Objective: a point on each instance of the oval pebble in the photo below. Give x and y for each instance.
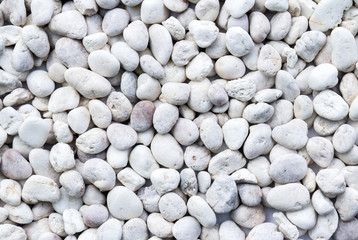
(100, 173)
(103, 63)
(292, 202)
(15, 166)
(238, 41)
(171, 155)
(128, 136)
(123, 204)
(330, 105)
(288, 168)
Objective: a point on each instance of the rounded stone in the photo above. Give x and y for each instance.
(99, 173)
(121, 136)
(172, 206)
(15, 166)
(297, 197)
(288, 168)
(123, 203)
(330, 105)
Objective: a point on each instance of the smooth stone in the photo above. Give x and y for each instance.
(99, 173)
(344, 58)
(142, 161)
(235, 132)
(112, 227)
(135, 228)
(103, 63)
(127, 56)
(79, 119)
(203, 32)
(292, 202)
(165, 180)
(328, 14)
(238, 41)
(226, 162)
(230, 231)
(264, 231)
(71, 53)
(15, 166)
(199, 100)
(280, 25)
(93, 141)
(34, 131)
(10, 192)
(185, 131)
(249, 217)
(151, 66)
(91, 85)
(238, 8)
(346, 230)
(292, 135)
(172, 206)
(175, 93)
(165, 117)
(323, 76)
(197, 157)
(304, 218)
(306, 48)
(269, 61)
(346, 204)
(12, 232)
(120, 106)
(331, 182)
(42, 11)
(120, 17)
(222, 195)
(136, 35)
(211, 134)
(320, 150)
(142, 115)
(250, 194)
(70, 24)
(325, 226)
(288, 168)
(259, 141)
(199, 67)
(58, 104)
(159, 226)
(123, 203)
(39, 188)
(20, 214)
(285, 82)
(187, 228)
(258, 112)
(303, 107)
(200, 209)
(330, 105)
(121, 136)
(40, 83)
(160, 43)
(167, 151)
(36, 40)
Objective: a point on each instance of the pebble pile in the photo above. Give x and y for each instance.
(153, 119)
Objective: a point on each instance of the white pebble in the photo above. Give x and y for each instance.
(171, 155)
(89, 84)
(99, 173)
(203, 32)
(344, 58)
(238, 41)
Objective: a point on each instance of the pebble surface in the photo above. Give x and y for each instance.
(178, 119)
